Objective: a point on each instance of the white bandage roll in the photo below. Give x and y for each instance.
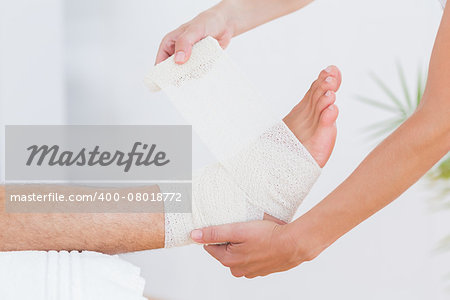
(215, 97)
(260, 159)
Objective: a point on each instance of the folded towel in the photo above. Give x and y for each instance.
(41, 275)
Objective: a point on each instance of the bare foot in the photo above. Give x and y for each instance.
(313, 119)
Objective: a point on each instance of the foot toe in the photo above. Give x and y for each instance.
(328, 84)
(313, 121)
(329, 115)
(332, 71)
(329, 79)
(321, 143)
(325, 101)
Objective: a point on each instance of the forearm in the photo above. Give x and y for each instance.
(396, 164)
(248, 14)
(387, 172)
(103, 232)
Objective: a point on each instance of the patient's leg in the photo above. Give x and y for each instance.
(102, 232)
(311, 121)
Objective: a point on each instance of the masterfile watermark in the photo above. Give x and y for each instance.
(59, 169)
(52, 155)
(102, 153)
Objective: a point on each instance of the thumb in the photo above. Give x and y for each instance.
(183, 45)
(228, 233)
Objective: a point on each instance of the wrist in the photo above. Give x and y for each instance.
(229, 12)
(310, 238)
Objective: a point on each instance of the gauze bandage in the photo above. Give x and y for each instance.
(262, 165)
(216, 199)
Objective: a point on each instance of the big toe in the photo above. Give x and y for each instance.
(329, 116)
(321, 143)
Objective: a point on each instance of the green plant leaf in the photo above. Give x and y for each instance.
(389, 93)
(381, 128)
(442, 171)
(401, 74)
(420, 88)
(444, 244)
(377, 104)
(403, 108)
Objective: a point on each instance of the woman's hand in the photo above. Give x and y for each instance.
(227, 19)
(256, 248)
(212, 22)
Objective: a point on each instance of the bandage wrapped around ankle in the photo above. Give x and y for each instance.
(262, 166)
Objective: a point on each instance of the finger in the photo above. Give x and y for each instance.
(236, 272)
(217, 251)
(225, 39)
(251, 276)
(223, 255)
(166, 49)
(226, 255)
(218, 234)
(162, 56)
(183, 45)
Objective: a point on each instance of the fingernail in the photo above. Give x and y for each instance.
(179, 57)
(196, 234)
(328, 93)
(329, 79)
(331, 107)
(328, 69)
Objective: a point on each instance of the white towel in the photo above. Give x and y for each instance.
(41, 275)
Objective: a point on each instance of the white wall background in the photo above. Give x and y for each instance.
(83, 62)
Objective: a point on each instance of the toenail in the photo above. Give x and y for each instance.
(328, 93)
(331, 107)
(328, 69)
(329, 79)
